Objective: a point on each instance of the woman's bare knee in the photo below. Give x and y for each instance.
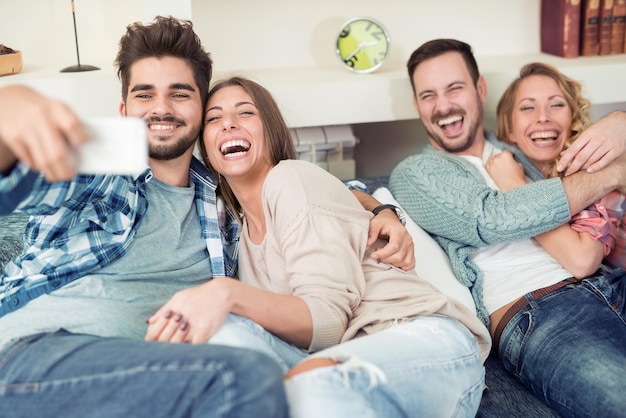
(310, 364)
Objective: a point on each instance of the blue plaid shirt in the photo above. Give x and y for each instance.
(80, 226)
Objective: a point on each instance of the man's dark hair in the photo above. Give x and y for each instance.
(436, 47)
(166, 37)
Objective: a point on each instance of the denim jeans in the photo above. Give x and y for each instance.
(70, 375)
(428, 366)
(569, 347)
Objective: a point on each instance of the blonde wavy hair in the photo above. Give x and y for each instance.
(572, 91)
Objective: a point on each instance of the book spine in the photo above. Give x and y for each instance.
(589, 27)
(618, 27)
(606, 21)
(560, 27)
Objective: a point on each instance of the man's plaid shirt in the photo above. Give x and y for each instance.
(79, 226)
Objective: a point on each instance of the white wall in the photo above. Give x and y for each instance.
(244, 34)
(44, 32)
(257, 34)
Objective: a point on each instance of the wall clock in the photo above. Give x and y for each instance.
(363, 45)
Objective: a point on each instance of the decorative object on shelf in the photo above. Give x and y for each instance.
(363, 45)
(10, 60)
(79, 67)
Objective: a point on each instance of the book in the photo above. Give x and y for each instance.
(560, 27)
(618, 27)
(606, 22)
(589, 41)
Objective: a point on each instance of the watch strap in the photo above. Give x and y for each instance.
(399, 212)
(378, 208)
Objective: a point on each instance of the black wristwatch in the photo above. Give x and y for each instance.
(399, 212)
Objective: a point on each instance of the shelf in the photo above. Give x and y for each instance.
(603, 78)
(89, 93)
(333, 96)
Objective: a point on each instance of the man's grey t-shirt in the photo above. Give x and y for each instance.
(168, 254)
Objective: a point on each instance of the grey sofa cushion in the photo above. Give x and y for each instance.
(9, 248)
(11, 236)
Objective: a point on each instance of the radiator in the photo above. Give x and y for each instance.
(330, 147)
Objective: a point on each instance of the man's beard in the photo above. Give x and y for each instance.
(173, 151)
(166, 152)
(460, 144)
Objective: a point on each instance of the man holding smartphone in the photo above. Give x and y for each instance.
(103, 252)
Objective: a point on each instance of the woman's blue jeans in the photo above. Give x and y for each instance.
(428, 366)
(569, 347)
(68, 375)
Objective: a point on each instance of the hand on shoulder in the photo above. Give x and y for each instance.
(597, 146)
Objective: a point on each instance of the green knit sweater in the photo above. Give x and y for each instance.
(449, 198)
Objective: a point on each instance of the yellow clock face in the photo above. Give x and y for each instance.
(363, 45)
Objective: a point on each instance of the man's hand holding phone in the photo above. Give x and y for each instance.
(46, 135)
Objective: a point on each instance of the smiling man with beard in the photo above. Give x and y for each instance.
(450, 104)
(562, 337)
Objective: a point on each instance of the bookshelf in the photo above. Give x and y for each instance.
(317, 96)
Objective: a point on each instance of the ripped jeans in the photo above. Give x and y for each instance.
(428, 366)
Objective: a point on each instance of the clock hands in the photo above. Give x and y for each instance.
(362, 45)
(359, 48)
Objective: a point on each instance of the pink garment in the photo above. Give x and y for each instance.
(605, 221)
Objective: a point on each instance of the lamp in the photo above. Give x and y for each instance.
(79, 67)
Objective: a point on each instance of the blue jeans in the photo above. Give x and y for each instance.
(69, 375)
(429, 366)
(569, 347)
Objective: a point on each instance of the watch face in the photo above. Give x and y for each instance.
(363, 45)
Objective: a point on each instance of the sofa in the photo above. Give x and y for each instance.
(503, 396)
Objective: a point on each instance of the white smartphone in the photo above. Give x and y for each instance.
(116, 145)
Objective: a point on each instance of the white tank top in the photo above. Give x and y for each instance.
(510, 270)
